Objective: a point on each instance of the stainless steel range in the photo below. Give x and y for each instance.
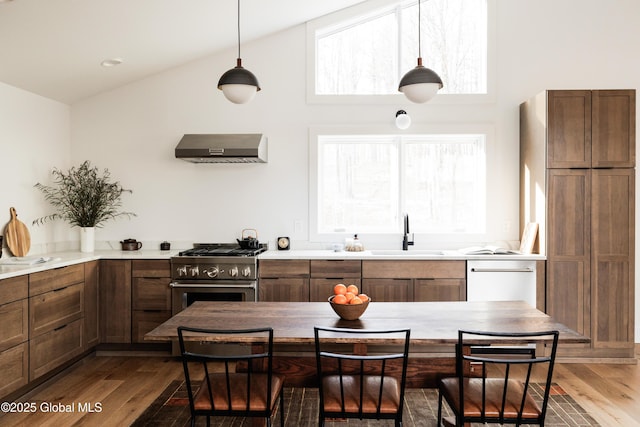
(214, 272)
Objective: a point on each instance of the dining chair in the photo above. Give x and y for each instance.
(357, 385)
(236, 376)
(494, 378)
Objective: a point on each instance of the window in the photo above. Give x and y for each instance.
(365, 183)
(369, 53)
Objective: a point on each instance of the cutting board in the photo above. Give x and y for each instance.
(17, 235)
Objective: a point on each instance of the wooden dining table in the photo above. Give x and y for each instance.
(434, 329)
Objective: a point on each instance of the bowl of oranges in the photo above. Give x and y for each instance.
(348, 302)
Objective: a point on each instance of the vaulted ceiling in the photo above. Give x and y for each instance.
(54, 48)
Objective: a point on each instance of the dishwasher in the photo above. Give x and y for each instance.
(501, 280)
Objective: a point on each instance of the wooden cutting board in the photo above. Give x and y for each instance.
(17, 236)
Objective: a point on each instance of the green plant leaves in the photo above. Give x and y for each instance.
(83, 196)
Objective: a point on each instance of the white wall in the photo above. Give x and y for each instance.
(543, 44)
(34, 137)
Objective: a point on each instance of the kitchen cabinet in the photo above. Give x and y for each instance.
(283, 280)
(415, 280)
(90, 327)
(150, 297)
(577, 183)
(115, 301)
(56, 309)
(325, 274)
(14, 334)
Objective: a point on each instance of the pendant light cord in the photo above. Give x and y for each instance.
(419, 30)
(239, 29)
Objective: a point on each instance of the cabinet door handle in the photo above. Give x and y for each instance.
(502, 270)
(60, 289)
(60, 327)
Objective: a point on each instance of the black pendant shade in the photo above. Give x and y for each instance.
(239, 76)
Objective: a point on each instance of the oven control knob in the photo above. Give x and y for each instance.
(195, 271)
(246, 271)
(212, 272)
(182, 271)
(233, 271)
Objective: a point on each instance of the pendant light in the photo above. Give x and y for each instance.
(239, 85)
(420, 84)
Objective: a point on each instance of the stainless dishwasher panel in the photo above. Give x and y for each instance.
(508, 280)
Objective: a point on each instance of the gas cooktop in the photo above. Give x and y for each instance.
(222, 249)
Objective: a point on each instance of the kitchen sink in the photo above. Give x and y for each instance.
(410, 252)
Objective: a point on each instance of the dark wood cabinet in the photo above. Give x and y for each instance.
(56, 310)
(577, 182)
(325, 274)
(150, 296)
(91, 315)
(14, 334)
(414, 280)
(388, 290)
(115, 301)
(283, 280)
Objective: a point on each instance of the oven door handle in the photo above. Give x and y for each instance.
(209, 285)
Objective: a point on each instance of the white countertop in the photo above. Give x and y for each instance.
(390, 254)
(63, 259)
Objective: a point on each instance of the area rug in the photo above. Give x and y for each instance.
(171, 408)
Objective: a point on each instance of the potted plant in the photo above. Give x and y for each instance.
(85, 198)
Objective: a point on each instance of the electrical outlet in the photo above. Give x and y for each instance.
(298, 227)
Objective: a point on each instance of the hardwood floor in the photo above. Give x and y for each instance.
(123, 386)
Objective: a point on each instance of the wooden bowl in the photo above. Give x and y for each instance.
(349, 311)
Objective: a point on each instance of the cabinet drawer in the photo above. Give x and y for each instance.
(414, 269)
(14, 289)
(49, 280)
(151, 268)
(146, 321)
(14, 365)
(56, 308)
(52, 349)
(283, 268)
(14, 318)
(336, 268)
(151, 293)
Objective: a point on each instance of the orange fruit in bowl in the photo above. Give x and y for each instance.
(353, 289)
(339, 299)
(363, 297)
(350, 296)
(356, 300)
(339, 289)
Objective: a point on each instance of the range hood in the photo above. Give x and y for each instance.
(223, 148)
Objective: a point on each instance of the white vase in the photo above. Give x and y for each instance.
(87, 239)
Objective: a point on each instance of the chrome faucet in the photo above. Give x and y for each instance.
(405, 240)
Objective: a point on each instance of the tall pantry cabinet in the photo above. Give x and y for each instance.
(577, 182)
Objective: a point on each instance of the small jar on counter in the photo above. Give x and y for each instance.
(353, 245)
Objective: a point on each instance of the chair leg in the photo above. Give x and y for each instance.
(439, 419)
(282, 408)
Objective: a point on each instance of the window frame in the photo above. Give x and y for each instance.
(440, 240)
(372, 6)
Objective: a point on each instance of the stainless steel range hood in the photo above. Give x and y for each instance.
(223, 148)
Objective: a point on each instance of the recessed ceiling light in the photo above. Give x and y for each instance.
(111, 62)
